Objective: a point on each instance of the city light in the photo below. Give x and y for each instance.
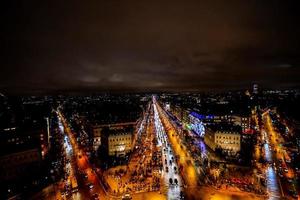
(150, 100)
(197, 125)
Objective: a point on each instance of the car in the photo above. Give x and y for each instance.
(85, 176)
(95, 196)
(295, 194)
(90, 186)
(62, 192)
(126, 197)
(176, 181)
(290, 180)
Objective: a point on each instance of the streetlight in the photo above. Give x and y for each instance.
(48, 131)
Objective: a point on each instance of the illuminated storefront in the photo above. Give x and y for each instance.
(196, 124)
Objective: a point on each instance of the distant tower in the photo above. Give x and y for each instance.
(255, 89)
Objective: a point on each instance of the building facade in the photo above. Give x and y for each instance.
(15, 165)
(119, 143)
(96, 136)
(211, 118)
(117, 139)
(228, 140)
(180, 113)
(242, 121)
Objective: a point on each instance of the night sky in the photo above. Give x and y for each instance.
(148, 45)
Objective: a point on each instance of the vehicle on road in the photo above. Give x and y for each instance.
(90, 186)
(126, 197)
(287, 157)
(74, 185)
(284, 167)
(95, 196)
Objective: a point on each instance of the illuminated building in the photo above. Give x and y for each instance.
(119, 143)
(243, 121)
(225, 137)
(117, 139)
(197, 126)
(209, 118)
(96, 131)
(180, 113)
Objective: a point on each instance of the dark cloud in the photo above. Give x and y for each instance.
(139, 45)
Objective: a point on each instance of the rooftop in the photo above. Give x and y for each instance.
(120, 130)
(11, 148)
(226, 128)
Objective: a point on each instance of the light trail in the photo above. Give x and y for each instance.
(271, 177)
(168, 157)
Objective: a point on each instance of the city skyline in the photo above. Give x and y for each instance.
(168, 146)
(150, 100)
